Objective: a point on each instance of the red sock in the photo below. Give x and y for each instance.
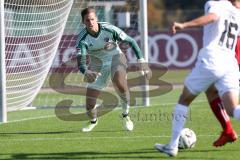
(220, 113)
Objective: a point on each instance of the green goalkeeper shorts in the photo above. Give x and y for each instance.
(107, 70)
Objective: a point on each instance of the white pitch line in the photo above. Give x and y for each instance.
(33, 118)
(118, 108)
(92, 138)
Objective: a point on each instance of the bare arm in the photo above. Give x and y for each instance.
(200, 21)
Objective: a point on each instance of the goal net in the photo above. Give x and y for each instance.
(33, 30)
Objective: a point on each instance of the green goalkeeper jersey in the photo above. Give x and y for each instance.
(103, 45)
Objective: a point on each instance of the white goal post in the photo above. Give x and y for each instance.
(144, 45)
(3, 109)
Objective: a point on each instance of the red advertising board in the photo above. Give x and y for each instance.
(173, 51)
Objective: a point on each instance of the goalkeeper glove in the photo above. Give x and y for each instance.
(90, 76)
(145, 70)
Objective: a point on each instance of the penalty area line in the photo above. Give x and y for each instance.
(33, 118)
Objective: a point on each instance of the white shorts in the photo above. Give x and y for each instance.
(215, 68)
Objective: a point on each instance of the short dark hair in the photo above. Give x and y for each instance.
(87, 11)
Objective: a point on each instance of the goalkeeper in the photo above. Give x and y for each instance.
(99, 42)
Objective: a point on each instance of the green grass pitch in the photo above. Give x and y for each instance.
(38, 134)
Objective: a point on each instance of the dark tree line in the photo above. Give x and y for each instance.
(184, 4)
(161, 13)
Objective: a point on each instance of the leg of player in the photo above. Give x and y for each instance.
(215, 102)
(120, 84)
(179, 118)
(91, 99)
(230, 100)
(228, 88)
(239, 73)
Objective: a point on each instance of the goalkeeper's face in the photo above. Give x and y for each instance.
(90, 20)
